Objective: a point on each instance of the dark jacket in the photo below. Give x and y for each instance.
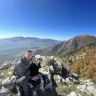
(34, 69)
(21, 68)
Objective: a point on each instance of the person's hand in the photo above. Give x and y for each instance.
(35, 78)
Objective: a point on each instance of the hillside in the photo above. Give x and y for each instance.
(84, 63)
(10, 48)
(67, 46)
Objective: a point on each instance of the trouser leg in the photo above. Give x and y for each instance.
(41, 83)
(24, 85)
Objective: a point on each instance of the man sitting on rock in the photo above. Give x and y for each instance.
(21, 70)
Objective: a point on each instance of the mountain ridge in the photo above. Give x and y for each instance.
(67, 46)
(22, 37)
(27, 41)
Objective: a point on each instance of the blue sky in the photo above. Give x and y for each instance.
(57, 19)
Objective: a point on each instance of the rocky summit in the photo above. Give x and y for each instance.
(60, 85)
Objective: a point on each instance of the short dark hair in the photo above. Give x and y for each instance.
(29, 51)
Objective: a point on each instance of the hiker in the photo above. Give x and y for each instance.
(21, 70)
(34, 72)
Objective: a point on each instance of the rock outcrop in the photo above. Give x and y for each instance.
(68, 86)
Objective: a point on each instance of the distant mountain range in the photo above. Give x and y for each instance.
(68, 46)
(10, 47)
(26, 42)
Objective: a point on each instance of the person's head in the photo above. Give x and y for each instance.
(33, 58)
(28, 55)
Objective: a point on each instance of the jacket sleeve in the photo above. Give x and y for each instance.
(20, 71)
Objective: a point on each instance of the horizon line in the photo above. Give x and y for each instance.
(30, 37)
